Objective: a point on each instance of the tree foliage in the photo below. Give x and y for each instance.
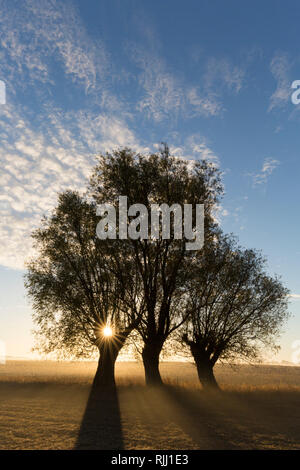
(163, 264)
(235, 308)
(220, 297)
(77, 285)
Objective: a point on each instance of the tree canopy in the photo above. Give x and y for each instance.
(78, 286)
(163, 264)
(83, 287)
(234, 307)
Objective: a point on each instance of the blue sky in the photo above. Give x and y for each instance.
(211, 78)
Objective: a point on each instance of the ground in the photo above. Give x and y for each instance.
(49, 405)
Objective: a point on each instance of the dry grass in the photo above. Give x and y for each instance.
(46, 405)
(237, 377)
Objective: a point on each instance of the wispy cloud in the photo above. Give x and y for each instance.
(46, 30)
(37, 164)
(206, 104)
(45, 148)
(269, 165)
(166, 96)
(195, 147)
(219, 73)
(222, 71)
(163, 95)
(280, 68)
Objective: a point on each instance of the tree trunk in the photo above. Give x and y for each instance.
(105, 374)
(150, 356)
(206, 374)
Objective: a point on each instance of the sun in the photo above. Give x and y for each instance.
(107, 331)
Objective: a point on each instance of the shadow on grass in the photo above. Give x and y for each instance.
(101, 424)
(252, 420)
(196, 419)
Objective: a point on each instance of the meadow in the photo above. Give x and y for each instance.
(50, 405)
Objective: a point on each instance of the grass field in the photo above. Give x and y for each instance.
(49, 405)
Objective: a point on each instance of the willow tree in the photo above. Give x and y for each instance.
(84, 298)
(235, 308)
(163, 262)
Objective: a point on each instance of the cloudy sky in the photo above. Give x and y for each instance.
(211, 78)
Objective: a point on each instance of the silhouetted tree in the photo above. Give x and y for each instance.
(163, 264)
(234, 307)
(78, 287)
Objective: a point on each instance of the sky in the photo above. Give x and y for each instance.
(211, 78)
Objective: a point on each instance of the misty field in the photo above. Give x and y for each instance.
(49, 405)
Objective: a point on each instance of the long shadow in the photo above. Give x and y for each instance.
(237, 421)
(199, 421)
(101, 424)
